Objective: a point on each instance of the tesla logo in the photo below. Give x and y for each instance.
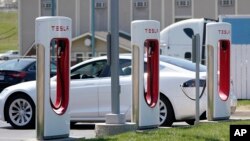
(151, 30)
(59, 28)
(224, 31)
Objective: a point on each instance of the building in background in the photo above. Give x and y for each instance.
(8, 4)
(2, 3)
(165, 11)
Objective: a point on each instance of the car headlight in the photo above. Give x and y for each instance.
(188, 88)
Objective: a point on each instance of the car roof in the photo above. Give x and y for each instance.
(176, 63)
(24, 59)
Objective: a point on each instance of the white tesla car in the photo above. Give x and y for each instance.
(90, 93)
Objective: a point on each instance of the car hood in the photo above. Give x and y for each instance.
(26, 87)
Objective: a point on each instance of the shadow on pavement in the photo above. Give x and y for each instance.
(83, 126)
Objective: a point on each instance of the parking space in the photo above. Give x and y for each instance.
(8, 133)
(83, 130)
(78, 131)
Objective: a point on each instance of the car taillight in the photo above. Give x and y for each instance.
(188, 88)
(18, 75)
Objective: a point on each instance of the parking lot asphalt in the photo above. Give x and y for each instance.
(80, 130)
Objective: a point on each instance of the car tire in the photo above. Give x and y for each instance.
(166, 112)
(190, 122)
(20, 112)
(72, 124)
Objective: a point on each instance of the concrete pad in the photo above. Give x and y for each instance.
(115, 119)
(241, 115)
(103, 129)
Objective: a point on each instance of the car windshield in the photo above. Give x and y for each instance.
(16, 64)
(185, 64)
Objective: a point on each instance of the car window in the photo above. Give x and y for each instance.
(17, 65)
(185, 64)
(32, 67)
(90, 70)
(125, 67)
(53, 67)
(15, 52)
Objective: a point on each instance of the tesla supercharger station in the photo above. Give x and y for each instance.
(145, 42)
(218, 43)
(53, 40)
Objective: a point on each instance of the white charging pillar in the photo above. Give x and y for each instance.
(145, 35)
(53, 40)
(218, 43)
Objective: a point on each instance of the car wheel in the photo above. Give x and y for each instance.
(166, 112)
(20, 112)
